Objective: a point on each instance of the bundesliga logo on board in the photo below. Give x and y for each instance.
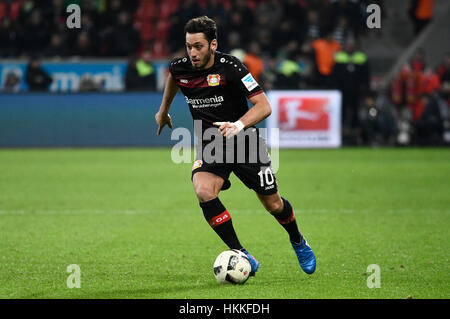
(213, 79)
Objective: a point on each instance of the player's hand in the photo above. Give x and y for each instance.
(162, 120)
(229, 129)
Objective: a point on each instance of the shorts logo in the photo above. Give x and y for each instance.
(249, 82)
(213, 79)
(197, 164)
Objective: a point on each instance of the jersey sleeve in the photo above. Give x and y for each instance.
(172, 66)
(242, 78)
(177, 65)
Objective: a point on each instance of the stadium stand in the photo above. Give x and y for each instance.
(283, 40)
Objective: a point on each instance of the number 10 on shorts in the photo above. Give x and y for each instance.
(266, 175)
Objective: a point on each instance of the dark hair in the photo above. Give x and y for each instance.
(204, 25)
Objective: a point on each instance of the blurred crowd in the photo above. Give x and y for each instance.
(29, 27)
(121, 28)
(421, 96)
(286, 44)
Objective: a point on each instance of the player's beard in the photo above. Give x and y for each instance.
(206, 59)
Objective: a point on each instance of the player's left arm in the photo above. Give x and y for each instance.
(258, 112)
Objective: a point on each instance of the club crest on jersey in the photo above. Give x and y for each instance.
(213, 79)
(197, 164)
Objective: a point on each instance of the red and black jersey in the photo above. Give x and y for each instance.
(216, 94)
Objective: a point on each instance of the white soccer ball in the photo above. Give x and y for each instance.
(232, 266)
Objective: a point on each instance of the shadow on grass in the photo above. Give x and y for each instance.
(157, 289)
(160, 292)
(176, 286)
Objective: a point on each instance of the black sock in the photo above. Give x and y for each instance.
(286, 218)
(220, 220)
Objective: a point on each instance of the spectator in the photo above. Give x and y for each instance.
(253, 60)
(36, 78)
(378, 126)
(26, 9)
(187, 10)
(263, 37)
(429, 127)
(238, 53)
(216, 11)
(9, 38)
(241, 7)
(57, 47)
(323, 8)
(55, 14)
(289, 77)
(140, 74)
(233, 42)
(111, 14)
(11, 83)
(263, 33)
(272, 10)
(125, 38)
(294, 14)
(413, 80)
(283, 34)
(342, 31)
(269, 76)
(312, 28)
(176, 35)
(310, 32)
(351, 76)
(443, 70)
(130, 5)
(349, 9)
(421, 13)
(237, 25)
(35, 35)
(83, 46)
(85, 41)
(371, 122)
(324, 51)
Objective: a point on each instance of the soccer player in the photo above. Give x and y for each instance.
(216, 86)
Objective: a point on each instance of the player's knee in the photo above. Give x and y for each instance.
(274, 206)
(204, 194)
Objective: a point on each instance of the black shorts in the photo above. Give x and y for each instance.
(254, 171)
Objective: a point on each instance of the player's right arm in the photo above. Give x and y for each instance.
(162, 117)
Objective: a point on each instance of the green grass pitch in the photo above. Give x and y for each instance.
(130, 220)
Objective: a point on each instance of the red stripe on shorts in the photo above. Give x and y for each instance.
(219, 219)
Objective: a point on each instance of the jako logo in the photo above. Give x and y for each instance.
(373, 21)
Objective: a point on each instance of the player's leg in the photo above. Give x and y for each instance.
(283, 212)
(262, 180)
(207, 186)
